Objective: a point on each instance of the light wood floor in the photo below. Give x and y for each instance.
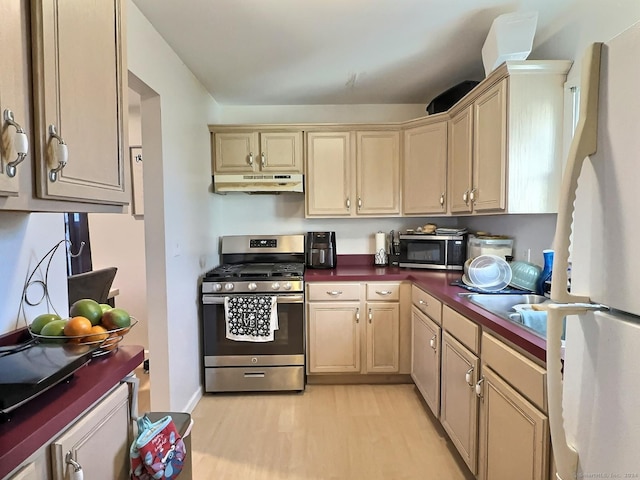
(329, 432)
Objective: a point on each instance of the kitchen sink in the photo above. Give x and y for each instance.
(502, 306)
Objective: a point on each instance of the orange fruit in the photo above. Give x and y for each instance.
(77, 326)
(98, 333)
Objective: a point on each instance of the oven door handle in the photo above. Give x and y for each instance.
(218, 300)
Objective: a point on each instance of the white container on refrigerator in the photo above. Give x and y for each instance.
(593, 411)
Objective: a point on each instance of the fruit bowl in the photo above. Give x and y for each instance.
(104, 343)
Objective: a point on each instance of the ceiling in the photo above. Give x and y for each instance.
(307, 52)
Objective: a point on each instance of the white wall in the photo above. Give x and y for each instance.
(24, 240)
(178, 220)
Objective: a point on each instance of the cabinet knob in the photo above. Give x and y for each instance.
(359, 203)
(357, 315)
(422, 302)
(20, 144)
(60, 154)
(348, 203)
(433, 343)
(442, 199)
(370, 316)
(263, 159)
(251, 159)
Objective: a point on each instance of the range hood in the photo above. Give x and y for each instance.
(258, 183)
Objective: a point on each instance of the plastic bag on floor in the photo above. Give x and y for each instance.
(158, 452)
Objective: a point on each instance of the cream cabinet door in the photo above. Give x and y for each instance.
(458, 402)
(378, 173)
(425, 169)
(14, 91)
(383, 333)
(328, 178)
(334, 337)
(514, 435)
(425, 358)
(235, 152)
(281, 152)
(460, 160)
(490, 149)
(79, 77)
(99, 441)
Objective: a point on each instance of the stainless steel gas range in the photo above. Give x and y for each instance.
(239, 354)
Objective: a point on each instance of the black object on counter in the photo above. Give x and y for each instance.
(321, 250)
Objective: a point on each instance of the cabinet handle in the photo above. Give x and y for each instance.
(422, 302)
(469, 377)
(334, 293)
(384, 292)
(442, 199)
(61, 153)
(263, 159)
(348, 203)
(472, 195)
(370, 316)
(433, 344)
(20, 143)
(479, 387)
(359, 203)
(77, 468)
(357, 315)
(251, 159)
(465, 197)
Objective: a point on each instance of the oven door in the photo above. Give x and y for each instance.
(423, 253)
(287, 347)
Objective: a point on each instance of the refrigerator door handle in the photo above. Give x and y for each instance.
(582, 145)
(565, 455)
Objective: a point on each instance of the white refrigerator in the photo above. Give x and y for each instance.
(594, 404)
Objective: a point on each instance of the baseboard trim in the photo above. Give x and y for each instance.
(341, 379)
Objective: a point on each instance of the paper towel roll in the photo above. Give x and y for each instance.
(381, 249)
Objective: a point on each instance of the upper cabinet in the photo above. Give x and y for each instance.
(353, 174)
(253, 151)
(79, 82)
(505, 141)
(424, 188)
(62, 146)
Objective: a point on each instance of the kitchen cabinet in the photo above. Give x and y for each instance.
(424, 185)
(79, 85)
(353, 328)
(257, 151)
(514, 428)
(459, 406)
(353, 173)
(505, 141)
(425, 362)
(104, 429)
(64, 54)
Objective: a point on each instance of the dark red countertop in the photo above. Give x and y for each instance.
(39, 420)
(438, 284)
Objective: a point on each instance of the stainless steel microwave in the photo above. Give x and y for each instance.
(438, 252)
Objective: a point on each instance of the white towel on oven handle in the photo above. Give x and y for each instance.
(251, 318)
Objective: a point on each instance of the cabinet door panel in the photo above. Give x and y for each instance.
(514, 435)
(282, 152)
(425, 361)
(14, 88)
(459, 403)
(99, 441)
(334, 337)
(490, 147)
(383, 330)
(425, 169)
(235, 152)
(460, 160)
(79, 88)
(328, 189)
(378, 167)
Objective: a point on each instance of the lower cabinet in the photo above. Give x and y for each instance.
(459, 403)
(425, 358)
(353, 328)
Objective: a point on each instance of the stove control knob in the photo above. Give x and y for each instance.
(228, 286)
(287, 286)
(217, 287)
(275, 285)
(252, 286)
